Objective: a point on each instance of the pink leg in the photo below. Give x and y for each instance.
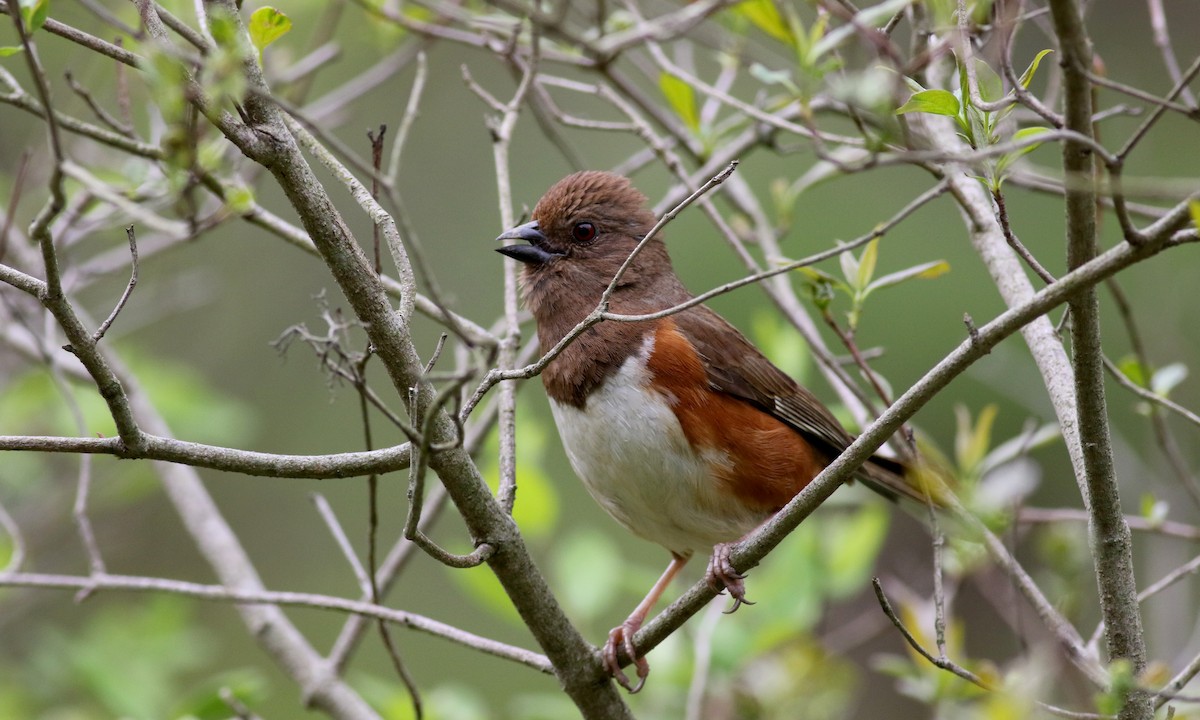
(621, 637)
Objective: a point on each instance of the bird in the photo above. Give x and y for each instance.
(679, 427)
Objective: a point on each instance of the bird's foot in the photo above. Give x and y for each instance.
(721, 575)
(622, 637)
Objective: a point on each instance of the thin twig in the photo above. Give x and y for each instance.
(411, 110)
(14, 200)
(1150, 395)
(1154, 116)
(376, 159)
(101, 114)
(1162, 38)
(1014, 243)
(502, 129)
(402, 551)
(133, 276)
(416, 492)
(1167, 528)
(342, 540)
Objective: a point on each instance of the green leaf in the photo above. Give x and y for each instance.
(821, 286)
(765, 16)
(266, 26)
(1154, 510)
(10, 50)
(934, 102)
(682, 99)
(912, 84)
(924, 271)
(820, 277)
(991, 87)
(1025, 134)
(1027, 76)
(33, 14)
(1007, 159)
(866, 265)
(1134, 370)
(1194, 209)
(240, 198)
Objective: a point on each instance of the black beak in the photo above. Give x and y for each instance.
(531, 254)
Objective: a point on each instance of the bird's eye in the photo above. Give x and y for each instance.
(584, 232)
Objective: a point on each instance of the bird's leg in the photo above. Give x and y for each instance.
(721, 575)
(622, 635)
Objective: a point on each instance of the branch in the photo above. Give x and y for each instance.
(1167, 528)
(104, 326)
(575, 661)
(215, 457)
(276, 599)
(1112, 544)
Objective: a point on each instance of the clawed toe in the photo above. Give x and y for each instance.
(722, 575)
(622, 637)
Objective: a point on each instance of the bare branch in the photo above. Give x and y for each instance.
(343, 542)
(104, 326)
(277, 598)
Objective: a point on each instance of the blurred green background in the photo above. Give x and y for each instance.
(199, 329)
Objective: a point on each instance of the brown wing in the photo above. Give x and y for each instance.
(737, 368)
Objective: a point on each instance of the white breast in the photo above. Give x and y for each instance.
(636, 462)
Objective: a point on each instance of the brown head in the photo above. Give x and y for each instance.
(583, 229)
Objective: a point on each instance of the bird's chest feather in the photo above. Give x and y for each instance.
(630, 450)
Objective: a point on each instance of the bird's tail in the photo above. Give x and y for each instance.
(920, 481)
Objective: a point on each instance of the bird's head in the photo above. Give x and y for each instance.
(583, 229)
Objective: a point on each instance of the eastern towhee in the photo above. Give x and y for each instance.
(679, 427)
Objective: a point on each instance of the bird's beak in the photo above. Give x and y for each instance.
(531, 254)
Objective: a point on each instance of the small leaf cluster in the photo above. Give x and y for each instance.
(814, 47)
(979, 127)
(858, 280)
(1160, 381)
